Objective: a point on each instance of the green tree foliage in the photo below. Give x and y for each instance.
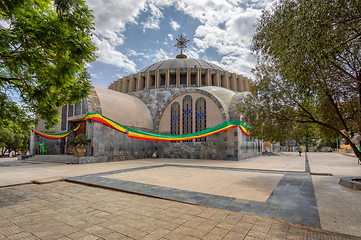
(44, 46)
(12, 139)
(82, 140)
(308, 69)
(305, 134)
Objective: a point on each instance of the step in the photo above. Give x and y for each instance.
(52, 158)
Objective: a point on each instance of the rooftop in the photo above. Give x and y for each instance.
(182, 63)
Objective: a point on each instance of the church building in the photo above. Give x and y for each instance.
(171, 97)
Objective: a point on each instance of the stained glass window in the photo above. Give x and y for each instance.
(187, 115)
(201, 117)
(175, 119)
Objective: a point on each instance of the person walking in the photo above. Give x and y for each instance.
(299, 150)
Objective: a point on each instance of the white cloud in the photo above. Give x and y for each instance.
(153, 20)
(192, 53)
(110, 18)
(174, 25)
(209, 11)
(132, 52)
(160, 55)
(231, 41)
(97, 75)
(113, 15)
(88, 65)
(108, 54)
(243, 24)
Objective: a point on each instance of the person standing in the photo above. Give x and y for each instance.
(299, 150)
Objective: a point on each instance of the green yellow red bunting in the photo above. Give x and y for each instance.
(106, 121)
(57, 135)
(201, 134)
(132, 133)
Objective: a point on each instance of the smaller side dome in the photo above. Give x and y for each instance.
(237, 100)
(124, 109)
(223, 95)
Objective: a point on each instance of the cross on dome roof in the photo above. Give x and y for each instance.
(181, 43)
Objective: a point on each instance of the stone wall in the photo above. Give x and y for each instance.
(248, 147)
(216, 147)
(55, 146)
(109, 145)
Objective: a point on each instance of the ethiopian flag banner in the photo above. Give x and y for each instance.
(205, 133)
(57, 135)
(106, 121)
(137, 134)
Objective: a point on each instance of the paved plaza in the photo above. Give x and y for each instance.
(268, 197)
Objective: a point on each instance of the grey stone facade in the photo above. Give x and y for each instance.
(108, 144)
(216, 147)
(55, 147)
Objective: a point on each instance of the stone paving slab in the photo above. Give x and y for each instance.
(290, 198)
(338, 207)
(64, 210)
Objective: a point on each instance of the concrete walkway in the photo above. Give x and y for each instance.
(233, 200)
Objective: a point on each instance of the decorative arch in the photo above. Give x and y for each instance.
(201, 117)
(187, 115)
(175, 119)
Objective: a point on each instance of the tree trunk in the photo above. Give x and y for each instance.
(355, 150)
(359, 92)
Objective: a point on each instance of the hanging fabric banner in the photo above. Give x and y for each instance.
(106, 121)
(57, 135)
(137, 134)
(205, 133)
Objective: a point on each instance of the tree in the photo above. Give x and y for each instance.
(305, 135)
(11, 139)
(308, 69)
(44, 46)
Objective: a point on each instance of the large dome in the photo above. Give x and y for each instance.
(182, 63)
(179, 73)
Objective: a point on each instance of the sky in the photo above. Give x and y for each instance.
(133, 34)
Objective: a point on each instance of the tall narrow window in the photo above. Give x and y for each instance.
(83, 107)
(71, 110)
(175, 119)
(63, 118)
(201, 117)
(77, 108)
(187, 115)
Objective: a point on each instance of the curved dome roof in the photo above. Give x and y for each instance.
(223, 95)
(124, 109)
(182, 63)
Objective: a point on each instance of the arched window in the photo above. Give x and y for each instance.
(187, 115)
(201, 117)
(175, 119)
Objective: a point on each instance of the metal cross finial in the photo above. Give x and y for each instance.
(181, 42)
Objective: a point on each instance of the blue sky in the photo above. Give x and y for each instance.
(132, 34)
